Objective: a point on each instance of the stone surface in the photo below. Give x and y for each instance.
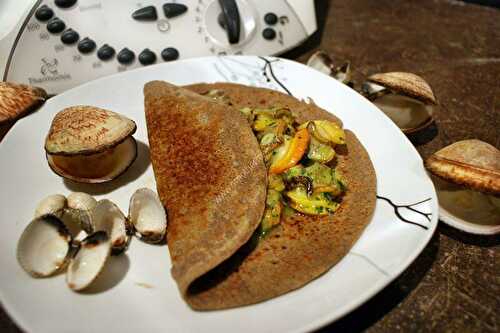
(454, 285)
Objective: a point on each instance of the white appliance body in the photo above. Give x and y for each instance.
(33, 54)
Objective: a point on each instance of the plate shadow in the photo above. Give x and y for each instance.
(113, 273)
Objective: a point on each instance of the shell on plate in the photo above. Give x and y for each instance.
(108, 217)
(471, 163)
(52, 204)
(89, 261)
(44, 246)
(89, 144)
(147, 216)
(406, 98)
(18, 99)
(80, 207)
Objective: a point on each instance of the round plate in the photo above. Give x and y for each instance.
(138, 286)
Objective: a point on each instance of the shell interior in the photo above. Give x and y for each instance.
(44, 246)
(95, 168)
(89, 261)
(147, 215)
(407, 113)
(108, 217)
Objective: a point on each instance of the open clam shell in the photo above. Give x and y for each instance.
(53, 204)
(90, 145)
(322, 62)
(18, 99)
(44, 246)
(108, 217)
(147, 215)
(89, 261)
(406, 98)
(467, 179)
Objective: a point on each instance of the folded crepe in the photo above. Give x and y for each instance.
(210, 176)
(300, 249)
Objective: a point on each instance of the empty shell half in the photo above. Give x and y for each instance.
(18, 99)
(406, 98)
(89, 261)
(472, 163)
(108, 217)
(90, 145)
(44, 246)
(147, 215)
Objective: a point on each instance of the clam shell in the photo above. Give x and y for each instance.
(119, 160)
(108, 217)
(322, 62)
(53, 204)
(89, 261)
(407, 84)
(147, 215)
(87, 130)
(44, 246)
(472, 163)
(409, 114)
(18, 99)
(81, 206)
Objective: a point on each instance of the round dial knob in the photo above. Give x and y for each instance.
(230, 23)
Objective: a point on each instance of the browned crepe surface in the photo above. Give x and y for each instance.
(301, 248)
(210, 175)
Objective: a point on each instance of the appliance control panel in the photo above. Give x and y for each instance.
(60, 44)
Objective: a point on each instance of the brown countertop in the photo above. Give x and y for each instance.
(454, 285)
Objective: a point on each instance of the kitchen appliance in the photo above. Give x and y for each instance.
(59, 44)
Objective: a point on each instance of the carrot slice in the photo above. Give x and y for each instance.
(297, 148)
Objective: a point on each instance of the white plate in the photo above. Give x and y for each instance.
(142, 296)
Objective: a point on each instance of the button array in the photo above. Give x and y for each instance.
(126, 56)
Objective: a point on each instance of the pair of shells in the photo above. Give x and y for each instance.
(16, 100)
(50, 243)
(468, 185)
(406, 98)
(90, 145)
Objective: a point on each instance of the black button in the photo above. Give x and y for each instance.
(105, 52)
(44, 13)
(271, 18)
(147, 57)
(86, 45)
(172, 10)
(125, 56)
(269, 33)
(55, 25)
(169, 54)
(65, 3)
(70, 36)
(145, 14)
